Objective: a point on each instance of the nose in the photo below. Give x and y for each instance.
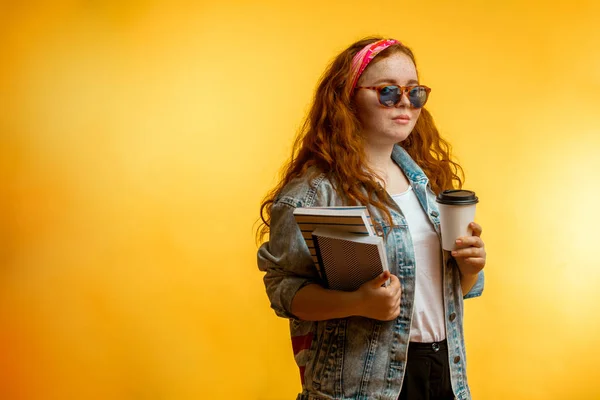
(404, 101)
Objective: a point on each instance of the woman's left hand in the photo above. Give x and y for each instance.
(470, 252)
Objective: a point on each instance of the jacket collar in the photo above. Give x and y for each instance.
(413, 172)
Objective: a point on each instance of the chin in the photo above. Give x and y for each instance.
(400, 136)
(389, 136)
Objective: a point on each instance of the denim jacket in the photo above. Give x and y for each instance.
(358, 357)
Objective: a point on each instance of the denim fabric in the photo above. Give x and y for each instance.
(357, 357)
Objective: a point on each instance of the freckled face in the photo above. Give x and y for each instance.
(386, 125)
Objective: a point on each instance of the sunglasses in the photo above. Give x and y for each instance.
(391, 95)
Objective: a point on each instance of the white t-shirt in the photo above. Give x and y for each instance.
(428, 317)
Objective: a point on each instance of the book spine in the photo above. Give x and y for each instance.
(315, 240)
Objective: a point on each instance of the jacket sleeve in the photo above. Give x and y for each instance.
(477, 289)
(285, 260)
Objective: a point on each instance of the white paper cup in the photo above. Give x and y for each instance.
(457, 211)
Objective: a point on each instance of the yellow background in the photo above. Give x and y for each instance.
(137, 139)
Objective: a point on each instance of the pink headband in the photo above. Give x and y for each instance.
(365, 56)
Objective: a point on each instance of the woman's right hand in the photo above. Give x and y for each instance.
(381, 302)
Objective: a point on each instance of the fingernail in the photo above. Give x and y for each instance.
(454, 253)
(458, 241)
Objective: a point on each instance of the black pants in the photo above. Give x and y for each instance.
(427, 375)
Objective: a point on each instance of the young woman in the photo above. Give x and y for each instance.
(368, 140)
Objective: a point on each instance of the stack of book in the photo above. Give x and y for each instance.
(345, 249)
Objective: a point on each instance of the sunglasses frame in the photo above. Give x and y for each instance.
(403, 91)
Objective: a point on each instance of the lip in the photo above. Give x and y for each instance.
(401, 119)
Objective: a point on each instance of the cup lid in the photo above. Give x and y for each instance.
(457, 197)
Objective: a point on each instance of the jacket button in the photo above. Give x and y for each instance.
(452, 317)
(434, 213)
(456, 359)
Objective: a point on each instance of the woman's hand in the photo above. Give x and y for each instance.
(380, 302)
(470, 252)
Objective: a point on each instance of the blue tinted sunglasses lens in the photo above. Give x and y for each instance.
(389, 96)
(417, 96)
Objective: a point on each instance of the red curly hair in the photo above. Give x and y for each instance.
(329, 140)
